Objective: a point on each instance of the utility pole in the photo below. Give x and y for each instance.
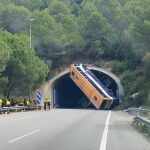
(31, 19)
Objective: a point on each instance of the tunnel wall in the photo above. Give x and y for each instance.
(114, 77)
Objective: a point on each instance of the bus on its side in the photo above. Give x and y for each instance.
(88, 85)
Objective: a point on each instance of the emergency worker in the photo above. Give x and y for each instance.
(20, 102)
(45, 101)
(12, 102)
(8, 104)
(1, 102)
(47, 104)
(28, 102)
(24, 101)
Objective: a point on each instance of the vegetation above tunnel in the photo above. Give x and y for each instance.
(113, 32)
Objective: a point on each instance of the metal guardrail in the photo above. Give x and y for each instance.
(141, 116)
(142, 119)
(138, 120)
(18, 108)
(138, 111)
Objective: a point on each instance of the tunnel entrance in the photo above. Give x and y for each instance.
(66, 94)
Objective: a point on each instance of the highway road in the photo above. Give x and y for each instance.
(70, 129)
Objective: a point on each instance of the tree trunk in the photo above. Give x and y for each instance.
(8, 90)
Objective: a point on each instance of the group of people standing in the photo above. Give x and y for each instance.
(15, 102)
(23, 102)
(5, 103)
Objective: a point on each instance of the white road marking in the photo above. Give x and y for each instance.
(104, 137)
(18, 138)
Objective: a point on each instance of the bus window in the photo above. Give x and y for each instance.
(95, 98)
(77, 78)
(72, 73)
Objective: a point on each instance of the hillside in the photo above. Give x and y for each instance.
(114, 33)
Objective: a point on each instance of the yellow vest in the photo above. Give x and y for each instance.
(20, 101)
(7, 102)
(47, 100)
(28, 103)
(1, 101)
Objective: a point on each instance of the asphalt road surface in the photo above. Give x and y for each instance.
(68, 129)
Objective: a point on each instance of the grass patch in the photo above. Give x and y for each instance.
(143, 128)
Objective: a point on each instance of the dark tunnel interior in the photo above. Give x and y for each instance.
(66, 94)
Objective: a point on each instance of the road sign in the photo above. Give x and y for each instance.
(38, 97)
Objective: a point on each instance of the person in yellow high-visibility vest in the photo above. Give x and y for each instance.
(28, 103)
(7, 103)
(20, 102)
(45, 100)
(1, 102)
(47, 104)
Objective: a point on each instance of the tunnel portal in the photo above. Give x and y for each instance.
(66, 94)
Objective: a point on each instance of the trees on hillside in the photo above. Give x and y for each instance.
(147, 66)
(112, 29)
(22, 70)
(14, 18)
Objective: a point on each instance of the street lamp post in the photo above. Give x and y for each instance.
(31, 19)
(30, 32)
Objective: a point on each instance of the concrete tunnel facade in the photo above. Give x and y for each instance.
(64, 93)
